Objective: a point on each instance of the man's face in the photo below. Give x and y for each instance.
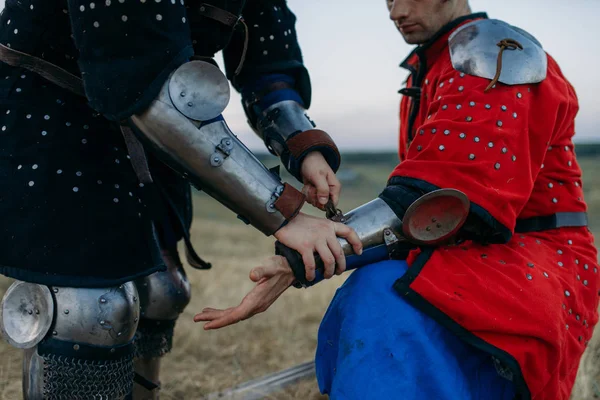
(419, 20)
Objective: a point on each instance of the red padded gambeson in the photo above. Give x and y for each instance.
(511, 151)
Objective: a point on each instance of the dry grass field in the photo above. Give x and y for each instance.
(203, 362)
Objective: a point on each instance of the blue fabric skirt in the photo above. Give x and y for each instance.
(374, 345)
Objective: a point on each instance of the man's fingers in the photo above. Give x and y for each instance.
(211, 314)
(308, 258)
(335, 187)
(348, 233)
(238, 314)
(322, 186)
(338, 253)
(327, 258)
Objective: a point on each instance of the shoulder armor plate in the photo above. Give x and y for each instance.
(474, 50)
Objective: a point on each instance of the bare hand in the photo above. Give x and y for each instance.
(308, 235)
(320, 182)
(273, 278)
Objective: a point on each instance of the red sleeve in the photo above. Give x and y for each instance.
(488, 145)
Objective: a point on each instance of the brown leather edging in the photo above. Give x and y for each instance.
(290, 201)
(303, 141)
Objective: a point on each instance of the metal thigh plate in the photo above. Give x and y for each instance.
(164, 294)
(474, 51)
(26, 314)
(199, 90)
(96, 316)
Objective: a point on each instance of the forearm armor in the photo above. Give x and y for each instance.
(431, 219)
(184, 127)
(287, 130)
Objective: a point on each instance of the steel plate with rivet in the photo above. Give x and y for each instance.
(26, 314)
(199, 90)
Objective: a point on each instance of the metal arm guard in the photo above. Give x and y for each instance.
(183, 126)
(288, 132)
(432, 219)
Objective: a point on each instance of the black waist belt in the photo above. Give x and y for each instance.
(558, 220)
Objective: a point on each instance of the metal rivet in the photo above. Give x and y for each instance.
(419, 148)
(190, 104)
(560, 264)
(441, 147)
(182, 94)
(433, 130)
(66, 311)
(497, 165)
(530, 265)
(554, 200)
(546, 274)
(37, 311)
(446, 132)
(567, 293)
(559, 251)
(462, 136)
(550, 185)
(444, 107)
(567, 326)
(514, 115)
(458, 106)
(499, 123)
(577, 317)
(469, 119)
(578, 277)
(472, 104)
(428, 229)
(461, 88)
(119, 334)
(577, 261)
(504, 108)
(504, 150)
(484, 256)
(476, 139)
(55, 290)
(112, 350)
(76, 347)
(134, 298)
(54, 333)
(569, 241)
(521, 244)
(519, 95)
(421, 132)
(102, 322)
(585, 283)
(471, 156)
(135, 320)
(514, 158)
(30, 312)
(585, 267)
(487, 106)
(529, 277)
(490, 145)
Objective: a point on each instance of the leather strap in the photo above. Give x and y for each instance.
(306, 140)
(290, 201)
(49, 71)
(218, 14)
(139, 162)
(558, 220)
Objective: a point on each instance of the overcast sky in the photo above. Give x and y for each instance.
(352, 51)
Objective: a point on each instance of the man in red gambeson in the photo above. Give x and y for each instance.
(507, 310)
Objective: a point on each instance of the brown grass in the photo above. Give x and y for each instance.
(204, 362)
